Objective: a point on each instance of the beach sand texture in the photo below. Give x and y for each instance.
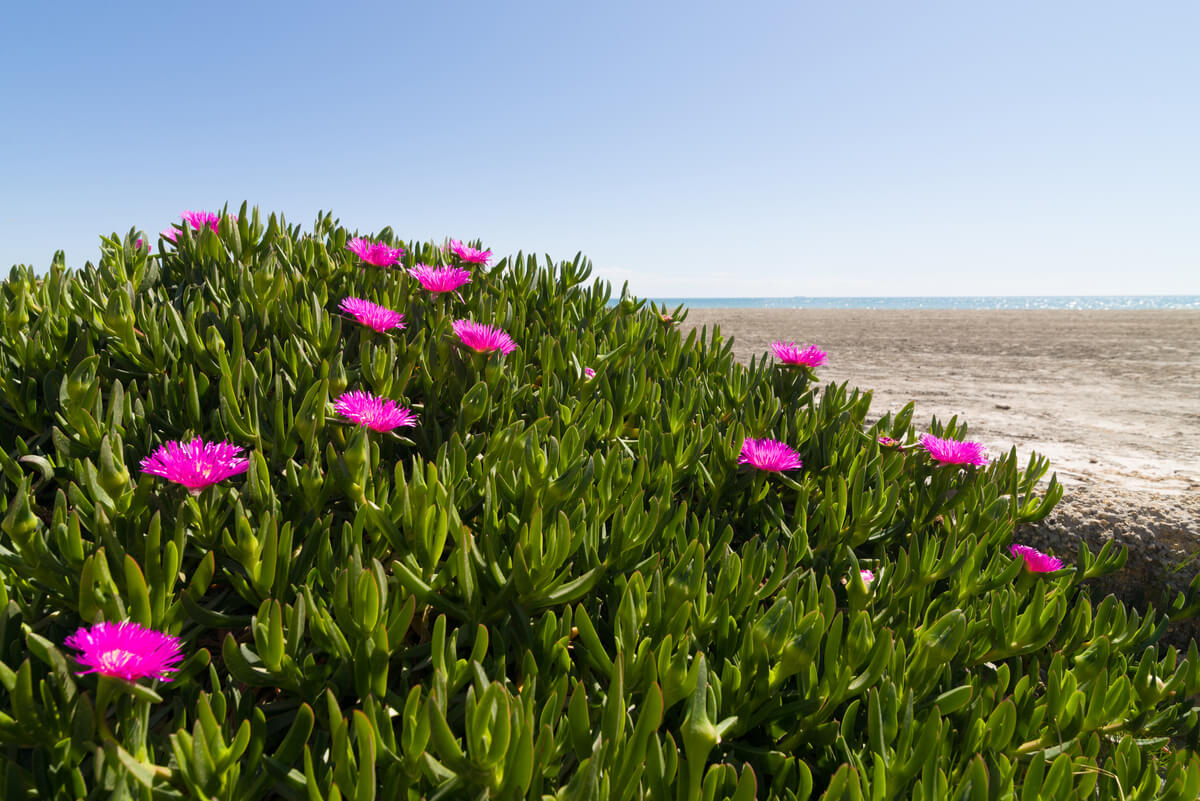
(1112, 397)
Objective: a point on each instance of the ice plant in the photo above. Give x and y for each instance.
(483, 338)
(126, 651)
(806, 356)
(769, 454)
(470, 254)
(589, 372)
(377, 414)
(378, 254)
(949, 451)
(197, 219)
(372, 315)
(1035, 560)
(440, 279)
(196, 464)
(888, 442)
(867, 577)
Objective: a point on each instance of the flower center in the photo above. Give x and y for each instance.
(116, 659)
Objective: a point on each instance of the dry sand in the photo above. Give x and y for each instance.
(1113, 398)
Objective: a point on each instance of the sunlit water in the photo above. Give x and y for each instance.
(1016, 302)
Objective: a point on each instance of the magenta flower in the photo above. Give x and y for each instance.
(589, 372)
(483, 338)
(791, 353)
(377, 414)
(1035, 560)
(949, 451)
(888, 442)
(867, 577)
(769, 454)
(196, 464)
(372, 315)
(378, 254)
(197, 219)
(441, 279)
(470, 254)
(126, 651)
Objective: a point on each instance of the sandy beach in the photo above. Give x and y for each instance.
(1112, 397)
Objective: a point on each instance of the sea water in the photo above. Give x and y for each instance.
(1016, 302)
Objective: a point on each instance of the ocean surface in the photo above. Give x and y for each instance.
(1019, 302)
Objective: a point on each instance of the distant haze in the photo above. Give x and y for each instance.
(692, 149)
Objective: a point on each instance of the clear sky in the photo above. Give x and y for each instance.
(691, 148)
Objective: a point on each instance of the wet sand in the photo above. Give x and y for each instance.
(1113, 398)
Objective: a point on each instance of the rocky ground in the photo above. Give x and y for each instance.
(1160, 532)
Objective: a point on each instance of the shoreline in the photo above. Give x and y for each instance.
(1081, 303)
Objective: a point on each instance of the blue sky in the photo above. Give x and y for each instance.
(693, 149)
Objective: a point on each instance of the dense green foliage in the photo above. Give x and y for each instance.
(552, 585)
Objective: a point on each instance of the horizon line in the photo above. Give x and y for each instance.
(906, 297)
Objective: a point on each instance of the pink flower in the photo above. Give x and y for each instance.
(138, 244)
(126, 651)
(377, 414)
(867, 577)
(470, 254)
(441, 279)
(791, 353)
(196, 464)
(1035, 560)
(769, 454)
(949, 451)
(483, 338)
(888, 442)
(589, 372)
(197, 219)
(377, 253)
(372, 315)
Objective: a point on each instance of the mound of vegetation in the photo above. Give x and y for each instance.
(523, 542)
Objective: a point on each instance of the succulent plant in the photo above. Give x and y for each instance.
(550, 585)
